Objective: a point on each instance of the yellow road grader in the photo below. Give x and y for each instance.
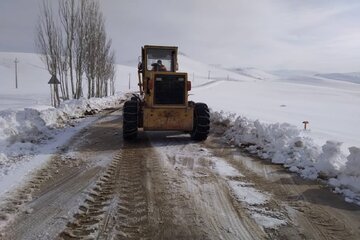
(162, 104)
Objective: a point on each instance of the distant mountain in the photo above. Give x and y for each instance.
(347, 77)
(284, 73)
(312, 77)
(254, 73)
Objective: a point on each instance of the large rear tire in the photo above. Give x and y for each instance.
(201, 122)
(130, 119)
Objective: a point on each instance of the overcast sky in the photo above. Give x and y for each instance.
(320, 35)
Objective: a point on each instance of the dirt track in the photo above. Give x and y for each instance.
(163, 186)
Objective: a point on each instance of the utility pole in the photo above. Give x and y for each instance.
(129, 80)
(16, 79)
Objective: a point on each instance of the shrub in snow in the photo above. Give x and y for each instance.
(275, 139)
(54, 118)
(3, 159)
(221, 118)
(352, 166)
(242, 132)
(331, 161)
(302, 156)
(220, 121)
(350, 177)
(76, 108)
(351, 182)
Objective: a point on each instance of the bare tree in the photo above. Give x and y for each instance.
(47, 42)
(77, 47)
(68, 18)
(106, 73)
(112, 75)
(92, 32)
(99, 59)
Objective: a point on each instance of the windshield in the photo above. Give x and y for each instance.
(160, 59)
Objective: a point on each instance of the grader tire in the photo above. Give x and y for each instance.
(130, 120)
(201, 122)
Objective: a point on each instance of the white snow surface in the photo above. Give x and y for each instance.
(30, 136)
(260, 111)
(224, 169)
(287, 145)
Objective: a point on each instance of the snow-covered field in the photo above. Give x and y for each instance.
(268, 111)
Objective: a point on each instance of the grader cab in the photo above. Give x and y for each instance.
(162, 104)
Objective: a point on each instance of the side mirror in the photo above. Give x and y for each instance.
(188, 85)
(140, 65)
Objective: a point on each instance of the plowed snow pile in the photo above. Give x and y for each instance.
(23, 133)
(287, 145)
(21, 130)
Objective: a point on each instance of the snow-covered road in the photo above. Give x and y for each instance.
(164, 186)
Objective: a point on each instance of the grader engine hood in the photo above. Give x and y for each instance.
(167, 105)
(164, 89)
(169, 89)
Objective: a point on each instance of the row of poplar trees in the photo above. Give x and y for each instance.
(74, 47)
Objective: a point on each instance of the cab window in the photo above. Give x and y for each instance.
(164, 55)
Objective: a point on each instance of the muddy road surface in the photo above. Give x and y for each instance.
(165, 186)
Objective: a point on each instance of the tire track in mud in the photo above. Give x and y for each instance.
(25, 199)
(117, 206)
(152, 203)
(315, 218)
(93, 216)
(142, 201)
(325, 224)
(132, 211)
(172, 212)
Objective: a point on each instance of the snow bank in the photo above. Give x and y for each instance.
(78, 108)
(353, 164)
(331, 161)
(21, 130)
(285, 144)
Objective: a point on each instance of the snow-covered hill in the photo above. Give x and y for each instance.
(201, 73)
(346, 77)
(317, 78)
(255, 73)
(33, 78)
